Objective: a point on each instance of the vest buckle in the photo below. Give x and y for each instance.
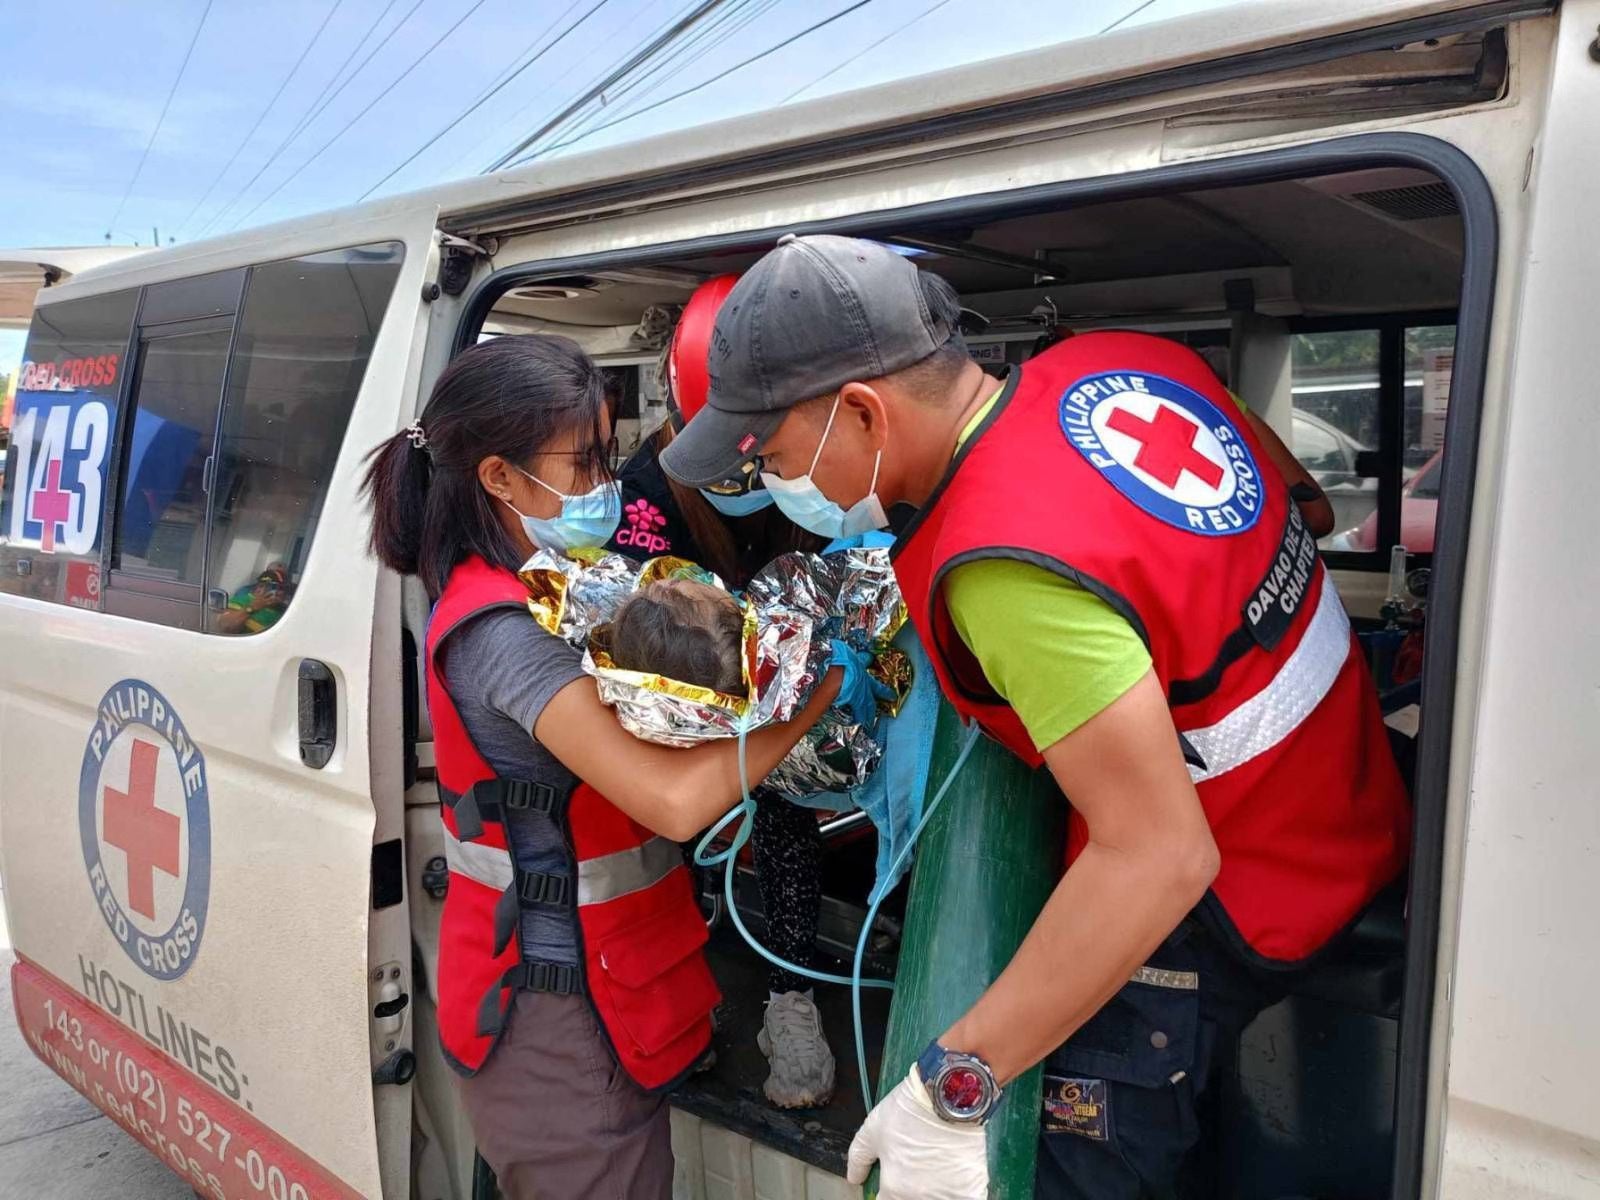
(535, 887)
(526, 793)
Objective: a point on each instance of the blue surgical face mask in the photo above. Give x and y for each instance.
(803, 502)
(738, 504)
(585, 520)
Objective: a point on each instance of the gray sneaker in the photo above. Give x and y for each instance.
(802, 1064)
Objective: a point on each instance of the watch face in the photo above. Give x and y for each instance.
(964, 1093)
(962, 1089)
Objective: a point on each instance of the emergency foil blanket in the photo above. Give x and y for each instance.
(793, 609)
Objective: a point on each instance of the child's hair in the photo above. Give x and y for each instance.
(669, 630)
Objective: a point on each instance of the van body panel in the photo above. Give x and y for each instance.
(277, 885)
(1523, 1060)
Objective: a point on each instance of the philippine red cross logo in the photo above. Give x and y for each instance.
(144, 819)
(1166, 448)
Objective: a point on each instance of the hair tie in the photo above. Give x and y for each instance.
(418, 438)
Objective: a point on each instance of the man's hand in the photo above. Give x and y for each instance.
(924, 1157)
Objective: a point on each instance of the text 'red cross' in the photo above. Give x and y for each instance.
(146, 834)
(1166, 447)
(51, 506)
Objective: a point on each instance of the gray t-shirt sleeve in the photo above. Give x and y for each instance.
(502, 664)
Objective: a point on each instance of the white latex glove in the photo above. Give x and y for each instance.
(923, 1157)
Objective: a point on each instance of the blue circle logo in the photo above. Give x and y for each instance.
(144, 817)
(1167, 448)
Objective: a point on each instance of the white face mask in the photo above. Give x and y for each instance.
(804, 503)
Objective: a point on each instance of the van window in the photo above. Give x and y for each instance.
(1369, 419)
(60, 430)
(161, 521)
(1335, 389)
(301, 350)
(224, 448)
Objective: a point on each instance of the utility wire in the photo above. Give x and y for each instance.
(245, 141)
(788, 41)
(679, 60)
(564, 109)
(161, 120)
(371, 104)
(1127, 16)
(832, 71)
(486, 96)
(598, 89)
(316, 108)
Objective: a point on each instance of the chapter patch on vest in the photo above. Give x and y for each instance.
(1077, 1106)
(1166, 448)
(1277, 598)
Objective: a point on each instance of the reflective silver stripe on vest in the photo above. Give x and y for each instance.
(632, 870)
(1274, 712)
(599, 879)
(489, 865)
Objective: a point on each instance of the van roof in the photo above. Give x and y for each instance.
(1143, 58)
(24, 272)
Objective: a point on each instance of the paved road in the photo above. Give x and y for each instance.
(54, 1144)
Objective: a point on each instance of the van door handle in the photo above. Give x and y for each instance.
(319, 713)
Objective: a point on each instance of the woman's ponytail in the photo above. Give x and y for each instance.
(396, 485)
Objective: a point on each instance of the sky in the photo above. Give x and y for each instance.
(188, 118)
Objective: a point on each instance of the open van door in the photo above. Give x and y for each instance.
(24, 272)
(200, 711)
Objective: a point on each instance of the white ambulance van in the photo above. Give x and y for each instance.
(219, 833)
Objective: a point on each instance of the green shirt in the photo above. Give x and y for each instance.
(1056, 653)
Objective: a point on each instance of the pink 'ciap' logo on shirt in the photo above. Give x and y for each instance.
(641, 521)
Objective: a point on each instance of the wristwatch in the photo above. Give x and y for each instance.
(962, 1086)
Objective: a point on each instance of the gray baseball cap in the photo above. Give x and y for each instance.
(814, 314)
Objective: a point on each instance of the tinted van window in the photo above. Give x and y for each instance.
(60, 426)
(301, 350)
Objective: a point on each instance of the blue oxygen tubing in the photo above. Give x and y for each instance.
(747, 809)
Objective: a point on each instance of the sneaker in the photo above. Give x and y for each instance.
(802, 1064)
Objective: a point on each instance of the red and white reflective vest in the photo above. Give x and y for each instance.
(1118, 461)
(638, 929)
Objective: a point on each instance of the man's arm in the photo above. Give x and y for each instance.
(1149, 860)
(1314, 504)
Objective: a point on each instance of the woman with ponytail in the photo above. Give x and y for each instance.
(572, 989)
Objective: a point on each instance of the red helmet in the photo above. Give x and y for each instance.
(688, 370)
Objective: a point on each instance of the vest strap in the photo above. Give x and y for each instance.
(491, 799)
(561, 978)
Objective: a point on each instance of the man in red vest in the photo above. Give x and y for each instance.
(1103, 554)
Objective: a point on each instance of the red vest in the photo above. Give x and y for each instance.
(636, 924)
(1118, 461)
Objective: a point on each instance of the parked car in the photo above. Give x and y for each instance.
(1329, 453)
(1419, 508)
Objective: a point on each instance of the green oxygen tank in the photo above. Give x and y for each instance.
(985, 866)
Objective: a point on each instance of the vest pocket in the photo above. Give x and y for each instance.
(653, 983)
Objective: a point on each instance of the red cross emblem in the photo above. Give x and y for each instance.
(51, 505)
(146, 834)
(1166, 447)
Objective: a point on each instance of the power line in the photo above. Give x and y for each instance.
(245, 141)
(1126, 17)
(162, 119)
(788, 41)
(371, 104)
(312, 111)
(702, 42)
(627, 54)
(486, 96)
(687, 22)
(832, 71)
